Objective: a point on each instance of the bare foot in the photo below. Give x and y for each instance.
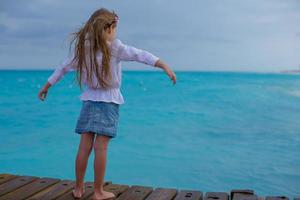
(103, 195)
(78, 192)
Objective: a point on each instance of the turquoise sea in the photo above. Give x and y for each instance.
(212, 131)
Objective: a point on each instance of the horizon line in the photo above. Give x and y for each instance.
(147, 70)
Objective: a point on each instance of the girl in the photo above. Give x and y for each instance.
(97, 62)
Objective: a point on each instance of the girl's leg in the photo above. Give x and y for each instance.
(100, 149)
(84, 150)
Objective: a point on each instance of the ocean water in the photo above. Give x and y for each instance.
(212, 131)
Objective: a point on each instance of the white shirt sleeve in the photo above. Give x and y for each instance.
(61, 70)
(130, 53)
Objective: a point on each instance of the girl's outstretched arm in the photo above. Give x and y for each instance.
(61, 70)
(57, 75)
(130, 53)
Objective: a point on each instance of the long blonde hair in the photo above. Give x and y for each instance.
(92, 32)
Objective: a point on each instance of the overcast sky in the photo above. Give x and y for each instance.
(235, 35)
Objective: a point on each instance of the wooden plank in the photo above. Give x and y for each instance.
(30, 189)
(6, 177)
(277, 197)
(162, 194)
(189, 195)
(239, 196)
(16, 187)
(240, 191)
(14, 184)
(54, 191)
(135, 192)
(216, 195)
(89, 190)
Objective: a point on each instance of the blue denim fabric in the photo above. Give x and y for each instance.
(98, 117)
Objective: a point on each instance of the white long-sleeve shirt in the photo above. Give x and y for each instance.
(119, 52)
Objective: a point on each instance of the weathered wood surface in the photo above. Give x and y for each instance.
(20, 187)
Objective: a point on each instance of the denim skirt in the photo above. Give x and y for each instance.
(98, 117)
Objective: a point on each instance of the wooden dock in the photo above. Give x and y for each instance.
(17, 187)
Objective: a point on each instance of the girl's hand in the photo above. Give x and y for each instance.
(172, 75)
(43, 93)
(167, 69)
